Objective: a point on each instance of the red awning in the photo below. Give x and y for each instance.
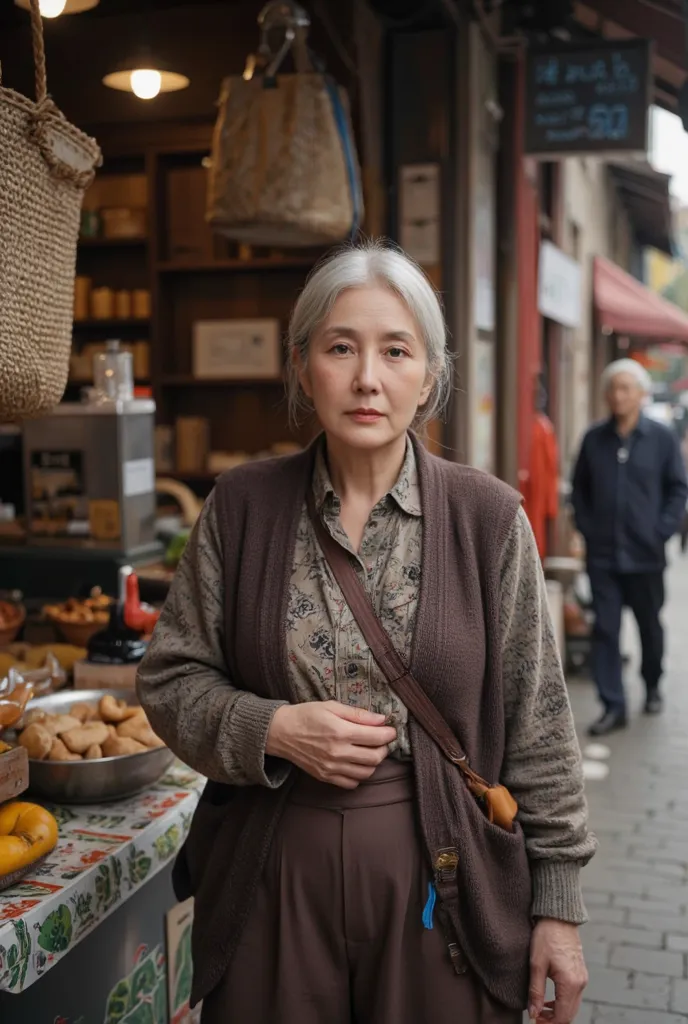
(625, 306)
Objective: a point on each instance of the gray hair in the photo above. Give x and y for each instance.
(630, 366)
(357, 266)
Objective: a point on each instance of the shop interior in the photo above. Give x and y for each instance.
(175, 374)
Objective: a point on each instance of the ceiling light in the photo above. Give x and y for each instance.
(146, 77)
(53, 8)
(146, 83)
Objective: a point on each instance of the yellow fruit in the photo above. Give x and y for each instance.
(27, 833)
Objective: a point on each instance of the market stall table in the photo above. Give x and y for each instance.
(112, 859)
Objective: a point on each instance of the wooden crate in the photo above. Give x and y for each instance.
(14, 773)
(89, 676)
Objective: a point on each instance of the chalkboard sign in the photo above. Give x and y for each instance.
(591, 98)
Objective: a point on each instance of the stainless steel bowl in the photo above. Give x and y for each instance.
(86, 782)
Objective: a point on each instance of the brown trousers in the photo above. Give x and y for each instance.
(335, 935)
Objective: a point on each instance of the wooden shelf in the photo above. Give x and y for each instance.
(191, 275)
(84, 382)
(112, 243)
(183, 380)
(245, 266)
(108, 325)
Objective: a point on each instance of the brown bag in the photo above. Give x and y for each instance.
(500, 806)
(284, 170)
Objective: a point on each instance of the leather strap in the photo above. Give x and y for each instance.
(398, 676)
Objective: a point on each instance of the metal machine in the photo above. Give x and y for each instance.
(89, 476)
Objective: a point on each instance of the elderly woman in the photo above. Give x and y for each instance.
(343, 866)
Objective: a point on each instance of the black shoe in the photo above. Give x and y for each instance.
(609, 722)
(654, 705)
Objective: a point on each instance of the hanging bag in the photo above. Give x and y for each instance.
(284, 168)
(46, 164)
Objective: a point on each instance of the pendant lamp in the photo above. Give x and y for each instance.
(146, 76)
(54, 8)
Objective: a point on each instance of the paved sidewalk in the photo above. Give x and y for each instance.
(637, 886)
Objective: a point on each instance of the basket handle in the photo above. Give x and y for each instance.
(38, 45)
(38, 52)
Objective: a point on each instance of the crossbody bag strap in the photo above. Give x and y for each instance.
(396, 672)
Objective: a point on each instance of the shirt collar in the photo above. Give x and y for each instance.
(405, 492)
(641, 427)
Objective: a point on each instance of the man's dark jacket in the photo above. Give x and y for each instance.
(629, 495)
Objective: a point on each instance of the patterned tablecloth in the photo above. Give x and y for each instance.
(104, 854)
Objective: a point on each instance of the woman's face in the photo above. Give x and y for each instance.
(367, 370)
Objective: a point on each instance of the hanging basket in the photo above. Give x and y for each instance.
(46, 164)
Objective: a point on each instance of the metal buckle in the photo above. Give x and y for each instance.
(446, 865)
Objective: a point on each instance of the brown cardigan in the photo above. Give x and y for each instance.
(482, 873)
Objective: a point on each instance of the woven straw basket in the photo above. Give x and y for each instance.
(46, 164)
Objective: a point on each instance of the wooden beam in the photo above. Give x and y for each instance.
(647, 22)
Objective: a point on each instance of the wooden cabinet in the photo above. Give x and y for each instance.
(192, 275)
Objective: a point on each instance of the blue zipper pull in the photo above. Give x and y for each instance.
(429, 907)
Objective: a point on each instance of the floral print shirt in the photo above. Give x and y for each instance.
(328, 656)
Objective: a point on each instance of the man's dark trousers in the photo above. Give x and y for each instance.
(643, 593)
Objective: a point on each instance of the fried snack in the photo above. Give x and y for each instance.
(139, 729)
(92, 610)
(118, 746)
(9, 614)
(112, 710)
(34, 717)
(83, 711)
(57, 724)
(113, 728)
(7, 661)
(37, 741)
(79, 740)
(35, 655)
(59, 752)
(12, 706)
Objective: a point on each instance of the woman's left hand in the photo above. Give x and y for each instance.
(556, 953)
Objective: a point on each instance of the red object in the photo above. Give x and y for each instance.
(140, 617)
(541, 489)
(529, 321)
(626, 306)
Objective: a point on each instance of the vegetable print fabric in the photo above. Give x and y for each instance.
(104, 854)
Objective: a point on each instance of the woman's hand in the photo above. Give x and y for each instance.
(556, 953)
(332, 742)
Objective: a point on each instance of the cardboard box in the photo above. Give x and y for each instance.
(193, 443)
(88, 676)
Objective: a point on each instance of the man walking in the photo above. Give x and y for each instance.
(629, 497)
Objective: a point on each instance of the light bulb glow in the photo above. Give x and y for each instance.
(145, 83)
(52, 8)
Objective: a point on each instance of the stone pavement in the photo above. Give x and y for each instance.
(636, 887)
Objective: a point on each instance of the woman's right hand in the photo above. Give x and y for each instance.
(333, 742)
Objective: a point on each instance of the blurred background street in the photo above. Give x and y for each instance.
(637, 886)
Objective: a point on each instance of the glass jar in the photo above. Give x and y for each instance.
(113, 373)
